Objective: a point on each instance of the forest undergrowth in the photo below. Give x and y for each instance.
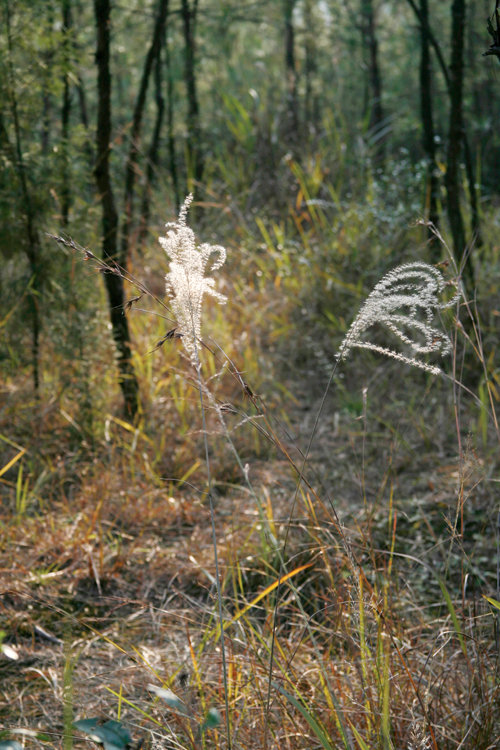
(351, 506)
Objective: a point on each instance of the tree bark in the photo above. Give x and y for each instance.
(84, 119)
(113, 282)
(47, 58)
(469, 168)
(376, 117)
(455, 138)
(131, 167)
(292, 106)
(32, 245)
(195, 154)
(310, 68)
(152, 160)
(172, 159)
(65, 113)
(426, 110)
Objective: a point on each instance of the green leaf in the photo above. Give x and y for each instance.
(359, 738)
(453, 615)
(85, 725)
(494, 602)
(170, 698)
(117, 729)
(316, 728)
(113, 735)
(212, 720)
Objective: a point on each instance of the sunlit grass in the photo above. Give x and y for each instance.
(377, 630)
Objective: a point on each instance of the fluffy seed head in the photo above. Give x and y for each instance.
(186, 280)
(404, 301)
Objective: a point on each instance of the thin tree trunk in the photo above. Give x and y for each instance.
(47, 56)
(114, 283)
(426, 110)
(33, 245)
(84, 118)
(152, 161)
(82, 101)
(131, 167)
(376, 119)
(195, 155)
(65, 114)
(172, 159)
(292, 107)
(310, 68)
(475, 221)
(469, 168)
(455, 138)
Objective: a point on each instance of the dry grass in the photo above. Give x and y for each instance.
(379, 637)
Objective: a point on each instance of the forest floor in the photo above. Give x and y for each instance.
(108, 585)
(353, 601)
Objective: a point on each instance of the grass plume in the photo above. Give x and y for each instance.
(405, 301)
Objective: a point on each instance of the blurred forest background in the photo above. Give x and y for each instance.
(319, 138)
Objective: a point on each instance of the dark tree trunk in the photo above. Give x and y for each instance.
(32, 244)
(195, 153)
(172, 159)
(114, 282)
(455, 138)
(152, 161)
(310, 68)
(47, 58)
(376, 116)
(131, 167)
(426, 110)
(84, 119)
(469, 168)
(292, 109)
(82, 101)
(65, 114)
(475, 221)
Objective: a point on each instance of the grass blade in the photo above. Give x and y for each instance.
(316, 728)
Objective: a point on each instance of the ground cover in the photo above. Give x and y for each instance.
(353, 601)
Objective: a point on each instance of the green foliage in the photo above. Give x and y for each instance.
(319, 732)
(212, 718)
(112, 735)
(493, 602)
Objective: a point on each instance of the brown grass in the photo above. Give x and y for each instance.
(107, 565)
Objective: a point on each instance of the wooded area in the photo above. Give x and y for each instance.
(337, 515)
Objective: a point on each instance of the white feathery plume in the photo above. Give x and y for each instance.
(405, 301)
(186, 279)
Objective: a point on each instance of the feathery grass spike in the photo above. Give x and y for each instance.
(186, 279)
(405, 301)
